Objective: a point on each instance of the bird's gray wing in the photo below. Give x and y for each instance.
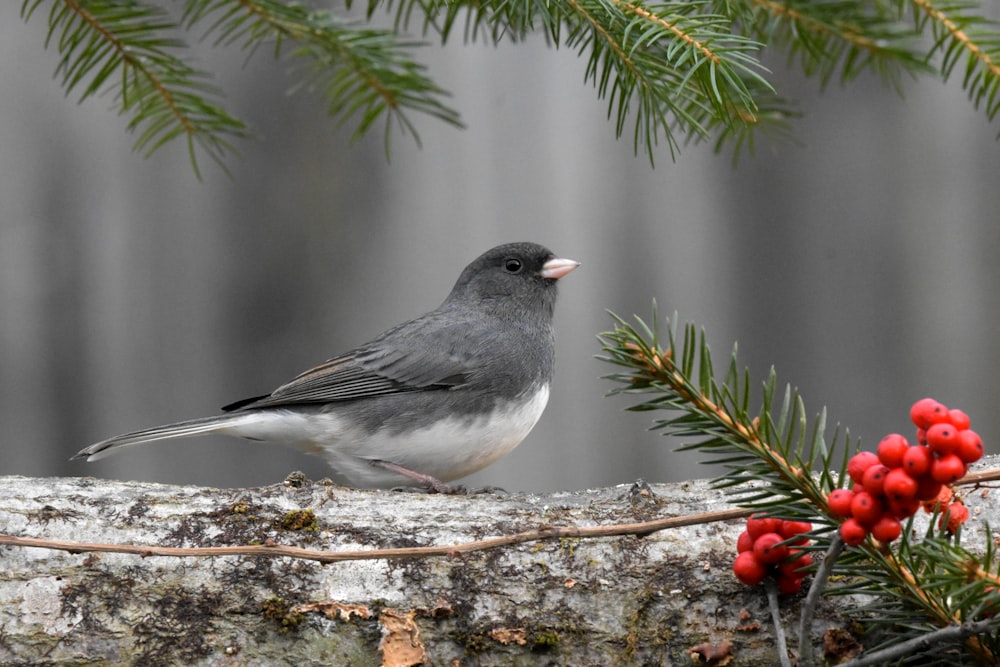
(418, 355)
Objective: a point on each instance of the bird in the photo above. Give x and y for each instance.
(424, 403)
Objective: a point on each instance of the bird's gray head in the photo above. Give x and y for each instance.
(513, 281)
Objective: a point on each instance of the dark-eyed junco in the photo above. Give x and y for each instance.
(426, 402)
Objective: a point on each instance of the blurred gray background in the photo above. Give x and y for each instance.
(860, 263)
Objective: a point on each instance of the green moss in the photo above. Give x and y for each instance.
(278, 610)
(544, 640)
(475, 642)
(568, 545)
(301, 520)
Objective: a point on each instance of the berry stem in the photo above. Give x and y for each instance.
(922, 643)
(779, 630)
(806, 654)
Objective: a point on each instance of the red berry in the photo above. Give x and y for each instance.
(927, 411)
(942, 438)
(899, 485)
(928, 488)
(748, 569)
(956, 515)
(917, 461)
(853, 533)
(891, 450)
(859, 463)
(874, 479)
(795, 567)
(793, 528)
(789, 585)
(903, 509)
(959, 419)
(768, 548)
(970, 446)
(948, 469)
(744, 542)
(790, 529)
(758, 524)
(839, 502)
(922, 436)
(942, 498)
(887, 529)
(866, 508)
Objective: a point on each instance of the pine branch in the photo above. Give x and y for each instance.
(778, 461)
(673, 72)
(769, 456)
(923, 586)
(846, 37)
(362, 71)
(668, 70)
(128, 47)
(687, 71)
(133, 48)
(957, 32)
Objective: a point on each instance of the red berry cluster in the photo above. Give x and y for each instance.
(890, 485)
(773, 546)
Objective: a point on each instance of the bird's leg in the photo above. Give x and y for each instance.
(427, 482)
(433, 484)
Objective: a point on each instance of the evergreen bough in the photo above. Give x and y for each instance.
(669, 71)
(923, 599)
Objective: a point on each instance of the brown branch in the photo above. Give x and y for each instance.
(979, 477)
(273, 549)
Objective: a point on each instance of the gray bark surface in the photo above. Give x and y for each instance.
(609, 601)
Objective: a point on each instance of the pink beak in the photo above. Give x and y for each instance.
(556, 268)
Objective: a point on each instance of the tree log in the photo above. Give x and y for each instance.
(630, 599)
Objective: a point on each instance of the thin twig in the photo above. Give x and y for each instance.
(781, 646)
(992, 475)
(806, 653)
(272, 549)
(923, 642)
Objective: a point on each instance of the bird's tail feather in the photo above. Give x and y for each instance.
(184, 429)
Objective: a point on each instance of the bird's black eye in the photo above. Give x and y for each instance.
(513, 265)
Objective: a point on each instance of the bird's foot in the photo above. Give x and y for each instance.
(425, 483)
(429, 484)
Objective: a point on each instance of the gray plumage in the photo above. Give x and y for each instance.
(426, 402)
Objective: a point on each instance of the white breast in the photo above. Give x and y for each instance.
(447, 450)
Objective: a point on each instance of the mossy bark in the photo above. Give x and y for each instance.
(610, 601)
